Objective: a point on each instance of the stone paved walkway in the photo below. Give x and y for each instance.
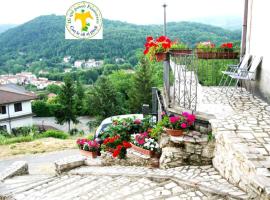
(242, 129)
(124, 183)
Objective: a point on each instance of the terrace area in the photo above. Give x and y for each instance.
(240, 122)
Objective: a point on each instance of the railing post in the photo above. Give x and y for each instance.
(166, 77)
(154, 100)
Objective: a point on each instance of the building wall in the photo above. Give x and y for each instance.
(15, 123)
(18, 122)
(26, 109)
(258, 40)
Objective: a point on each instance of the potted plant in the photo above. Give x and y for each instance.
(157, 48)
(180, 48)
(206, 50)
(142, 143)
(227, 51)
(176, 125)
(89, 148)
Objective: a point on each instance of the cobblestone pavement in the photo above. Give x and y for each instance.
(242, 128)
(124, 183)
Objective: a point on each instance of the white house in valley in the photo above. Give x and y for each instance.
(15, 107)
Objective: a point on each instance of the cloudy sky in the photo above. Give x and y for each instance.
(133, 11)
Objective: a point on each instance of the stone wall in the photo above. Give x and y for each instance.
(191, 149)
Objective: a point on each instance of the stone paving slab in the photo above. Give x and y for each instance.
(203, 177)
(242, 132)
(15, 169)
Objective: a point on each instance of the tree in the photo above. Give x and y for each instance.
(54, 89)
(67, 111)
(103, 99)
(79, 97)
(141, 90)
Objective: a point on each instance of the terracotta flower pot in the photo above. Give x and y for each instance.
(160, 56)
(89, 154)
(173, 132)
(143, 151)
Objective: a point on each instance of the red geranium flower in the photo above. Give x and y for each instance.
(116, 153)
(126, 144)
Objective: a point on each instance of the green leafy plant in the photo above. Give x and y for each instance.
(179, 46)
(54, 134)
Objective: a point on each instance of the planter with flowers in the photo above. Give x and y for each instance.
(89, 148)
(176, 125)
(179, 48)
(227, 51)
(157, 48)
(206, 50)
(142, 143)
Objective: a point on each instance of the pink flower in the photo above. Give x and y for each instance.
(163, 113)
(191, 118)
(140, 139)
(185, 114)
(137, 121)
(183, 125)
(174, 119)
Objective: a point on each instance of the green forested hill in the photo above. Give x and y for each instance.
(43, 38)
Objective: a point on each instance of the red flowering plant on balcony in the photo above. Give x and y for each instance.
(156, 46)
(227, 47)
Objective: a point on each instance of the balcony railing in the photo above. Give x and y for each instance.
(184, 72)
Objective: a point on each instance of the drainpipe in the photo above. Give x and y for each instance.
(244, 30)
(9, 120)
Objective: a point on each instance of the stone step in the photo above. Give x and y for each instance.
(9, 188)
(137, 185)
(48, 188)
(117, 183)
(86, 187)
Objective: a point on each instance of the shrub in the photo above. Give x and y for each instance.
(55, 134)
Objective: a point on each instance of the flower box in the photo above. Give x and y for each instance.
(206, 55)
(143, 151)
(89, 154)
(226, 55)
(174, 132)
(180, 51)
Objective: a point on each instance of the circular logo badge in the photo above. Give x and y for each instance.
(83, 20)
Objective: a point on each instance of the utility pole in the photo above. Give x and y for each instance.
(164, 27)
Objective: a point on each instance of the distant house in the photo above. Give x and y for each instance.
(256, 40)
(66, 59)
(91, 63)
(79, 63)
(15, 107)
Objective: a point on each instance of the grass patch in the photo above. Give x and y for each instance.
(28, 138)
(4, 140)
(54, 134)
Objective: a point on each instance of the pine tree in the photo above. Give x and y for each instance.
(141, 91)
(104, 100)
(67, 111)
(79, 97)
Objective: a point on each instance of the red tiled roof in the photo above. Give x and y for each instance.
(12, 97)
